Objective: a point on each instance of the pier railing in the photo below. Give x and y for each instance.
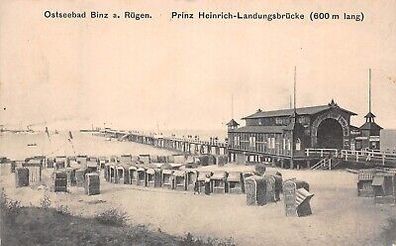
(376, 157)
(368, 156)
(322, 152)
(189, 145)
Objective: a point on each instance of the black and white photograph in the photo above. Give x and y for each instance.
(202, 123)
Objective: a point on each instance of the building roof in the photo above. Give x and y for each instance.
(232, 123)
(260, 129)
(301, 111)
(370, 126)
(369, 115)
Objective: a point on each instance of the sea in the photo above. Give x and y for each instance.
(18, 146)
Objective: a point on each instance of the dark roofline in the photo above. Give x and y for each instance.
(370, 126)
(369, 115)
(288, 112)
(232, 123)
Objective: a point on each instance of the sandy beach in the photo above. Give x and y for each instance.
(339, 216)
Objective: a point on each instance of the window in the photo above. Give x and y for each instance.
(271, 143)
(252, 141)
(237, 140)
(298, 144)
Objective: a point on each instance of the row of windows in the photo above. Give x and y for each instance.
(285, 120)
(270, 143)
(260, 137)
(282, 120)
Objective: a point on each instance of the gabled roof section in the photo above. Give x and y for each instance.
(369, 115)
(232, 123)
(370, 126)
(300, 111)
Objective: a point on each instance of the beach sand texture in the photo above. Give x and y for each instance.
(339, 216)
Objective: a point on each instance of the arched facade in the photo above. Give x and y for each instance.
(322, 119)
(287, 134)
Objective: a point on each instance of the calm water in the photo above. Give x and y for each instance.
(15, 146)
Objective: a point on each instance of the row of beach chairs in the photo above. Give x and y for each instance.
(170, 177)
(199, 160)
(259, 189)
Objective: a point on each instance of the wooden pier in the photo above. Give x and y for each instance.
(314, 158)
(182, 145)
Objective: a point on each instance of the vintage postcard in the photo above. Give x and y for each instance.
(187, 122)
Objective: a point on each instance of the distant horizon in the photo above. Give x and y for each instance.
(141, 129)
(156, 73)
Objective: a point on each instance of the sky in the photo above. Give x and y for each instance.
(181, 74)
